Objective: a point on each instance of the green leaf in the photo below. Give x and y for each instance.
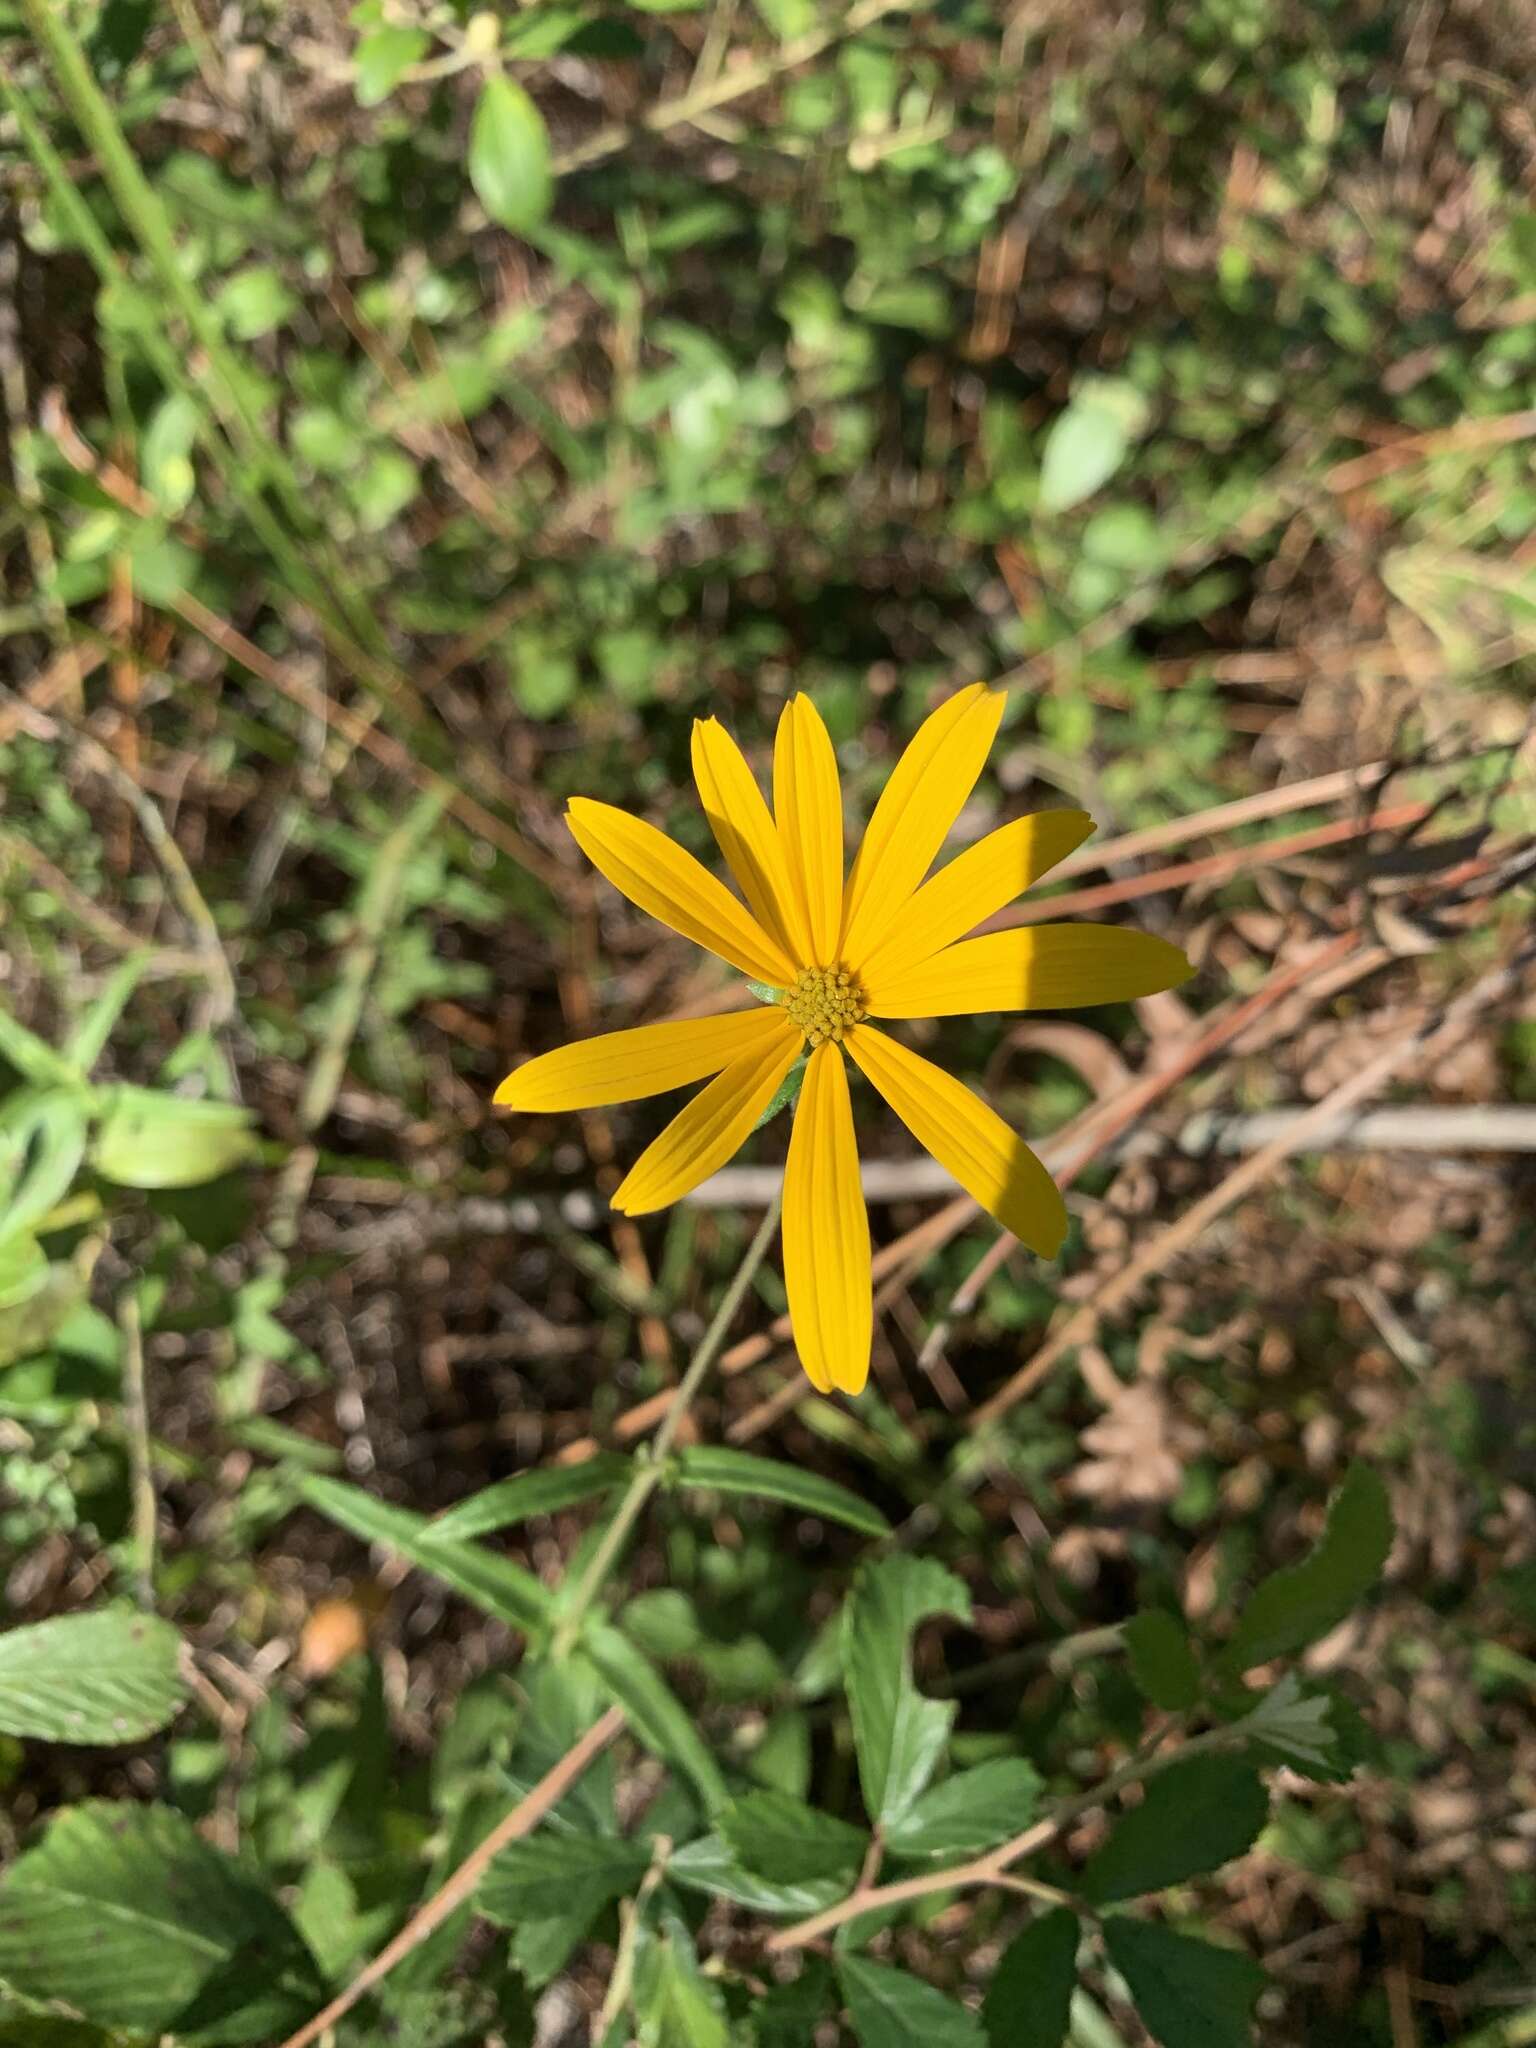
(494, 1584)
(784, 1839)
(889, 2009)
(382, 59)
(88, 1041)
(788, 2015)
(788, 18)
(1300, 1728)
(724, 1470)
(1190, 1993)
(125, 1915)
(36, 2032)
(785, 1093)
(509, 160)
(151, 1140)
(579, 1873)
(708, 1865)
(676, 2005)
(1295, 1607)
(42, 1142)
(32, 1057)
(254, 302)
(165, 453)
(31, 1325)
(655, 1712)
(23, 1269)
(1197, 1815)
(90, 1678)
(969, 1812)
(897, 1732)
(1089, 441)
(1163, 1660)
(531, 1493)
(1029, 2001)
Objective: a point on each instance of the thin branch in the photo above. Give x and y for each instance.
(179, 877)
(522, 1820)
(993, 1867)
(1183, 1232)
(1213, 867)
(734, 81)
(140, 1471)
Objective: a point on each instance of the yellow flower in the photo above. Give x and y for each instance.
(884, 943)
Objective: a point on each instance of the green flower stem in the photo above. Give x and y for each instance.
(650, 1471)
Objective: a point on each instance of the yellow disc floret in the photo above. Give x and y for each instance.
(825, 1002)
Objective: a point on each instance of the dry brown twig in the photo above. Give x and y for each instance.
(1122, 1288)
(452, 1894)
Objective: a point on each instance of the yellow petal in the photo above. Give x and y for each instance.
(826, 1232)
(984, 878)
(808, 805)
(1033, 967)
(651, 870)
(992, 1163)
(744, 831)
(917, 807)
(623, 1066)
(702, 1136)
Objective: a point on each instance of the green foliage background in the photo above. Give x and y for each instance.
(420, 414)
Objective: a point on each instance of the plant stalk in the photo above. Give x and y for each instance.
(649, 1472)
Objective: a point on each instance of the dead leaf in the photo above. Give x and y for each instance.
(1140, 1450)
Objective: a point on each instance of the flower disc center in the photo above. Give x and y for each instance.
(824, 1003)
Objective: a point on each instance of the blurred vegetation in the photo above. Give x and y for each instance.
(416, 415)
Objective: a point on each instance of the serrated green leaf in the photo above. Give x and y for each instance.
(783, 1839)
(531, 1493)
(724, 1470)
(676, 2005)
(709, 1865)
(509, 157)
(1300, 1729)
(889, 2009)
(1163, 1660)
(787, 2016)
(579, 1873)
(126, 1915)
(655, 1712)
(1029, 2001)
(898, 1733)
(90, 1678)
(494, 1584)
(1190, 1993)
(1197, 1815)
(1293, 1608)
(969, 1812)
